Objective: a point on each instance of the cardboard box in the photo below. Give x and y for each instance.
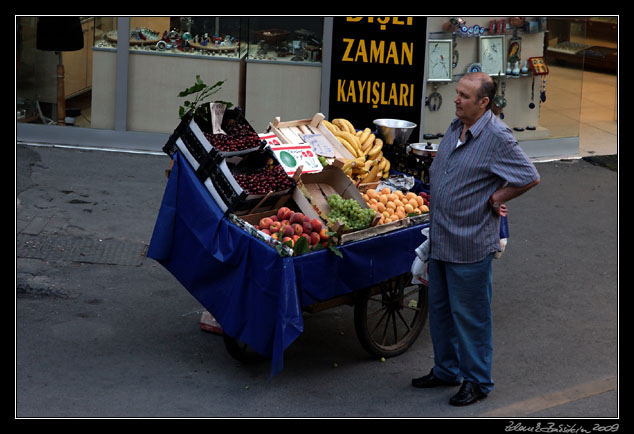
(310, 131)
(313, 190)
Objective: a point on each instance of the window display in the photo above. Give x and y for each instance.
(292, 39)
(213, 36)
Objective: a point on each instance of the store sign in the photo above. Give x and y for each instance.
(377, 69)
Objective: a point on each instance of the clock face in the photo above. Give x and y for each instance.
(440, 58)
(492, 55)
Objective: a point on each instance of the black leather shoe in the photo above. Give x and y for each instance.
(430, 380)
(468, 394)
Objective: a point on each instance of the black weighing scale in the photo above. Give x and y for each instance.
(413, 159)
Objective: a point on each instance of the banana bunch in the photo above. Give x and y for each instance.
(368, 163)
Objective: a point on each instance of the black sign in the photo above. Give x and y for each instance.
(377, 69)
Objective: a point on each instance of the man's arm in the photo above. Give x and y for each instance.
(504, 194)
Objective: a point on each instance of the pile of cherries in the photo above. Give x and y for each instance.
(239, 137)
(264, 180)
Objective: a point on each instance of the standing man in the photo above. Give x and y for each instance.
(479, 167)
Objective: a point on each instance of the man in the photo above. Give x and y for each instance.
(477, 169)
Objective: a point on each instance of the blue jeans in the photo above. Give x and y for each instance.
(460, 321)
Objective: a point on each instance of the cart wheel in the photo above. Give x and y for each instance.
(388, 317)
(241, 351)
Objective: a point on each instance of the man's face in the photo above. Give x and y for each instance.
(468, 106)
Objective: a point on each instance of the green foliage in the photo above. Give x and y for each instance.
(199, 92)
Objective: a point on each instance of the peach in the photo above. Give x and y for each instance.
(266, 231)
(282, 212)
(316, 224)
(288, 239)
(323, 234)
(297, 217)
(297, 228)
(274, 227)
(307, 227)
(288, 231)
(314, 238)
(265, 222)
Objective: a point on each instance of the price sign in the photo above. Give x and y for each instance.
(292, 156)
(270, 138)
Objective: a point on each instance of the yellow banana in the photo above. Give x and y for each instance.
(352, 139)
(382, 164)
(374, 152)
(349, 125)
(367, 144)
(352, 162)
(344, 125)
(372, 174)
(364, 136)
(347, 165)
(386, 169)
(332, 128)
(348, 146)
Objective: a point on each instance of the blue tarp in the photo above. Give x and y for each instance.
(257, 295)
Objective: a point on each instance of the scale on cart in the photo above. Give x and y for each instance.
(412, 159)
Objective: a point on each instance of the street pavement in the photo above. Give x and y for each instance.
(103, 332)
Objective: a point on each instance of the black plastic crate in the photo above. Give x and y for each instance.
(238, 200)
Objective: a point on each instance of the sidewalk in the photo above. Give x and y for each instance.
(102, 331)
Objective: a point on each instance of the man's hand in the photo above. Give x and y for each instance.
(501, 210)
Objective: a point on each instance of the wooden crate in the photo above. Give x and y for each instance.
(292, 131)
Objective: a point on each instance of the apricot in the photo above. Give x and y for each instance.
(386, 190)
(409, 208)
(390, 204)
(383, 199)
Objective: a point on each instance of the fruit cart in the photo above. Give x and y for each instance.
(259, 296)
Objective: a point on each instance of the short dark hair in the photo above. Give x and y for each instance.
(488, 88)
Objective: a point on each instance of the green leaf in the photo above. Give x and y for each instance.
(335, 250)
(301, 246)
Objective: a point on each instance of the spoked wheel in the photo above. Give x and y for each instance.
(388, 317)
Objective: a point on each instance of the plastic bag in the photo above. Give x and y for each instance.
(420, 266)
(504, 235)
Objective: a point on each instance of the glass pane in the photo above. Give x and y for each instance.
(38, 69)
(288, 39)
(583, 55)
(199, 36)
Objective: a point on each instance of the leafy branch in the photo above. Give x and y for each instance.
(200, 92)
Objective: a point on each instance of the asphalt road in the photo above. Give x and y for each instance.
(101, 331)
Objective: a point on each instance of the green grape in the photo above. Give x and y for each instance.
(348, 212)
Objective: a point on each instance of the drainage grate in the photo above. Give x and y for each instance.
(80, 249)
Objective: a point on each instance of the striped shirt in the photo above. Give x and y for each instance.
(463, 227)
